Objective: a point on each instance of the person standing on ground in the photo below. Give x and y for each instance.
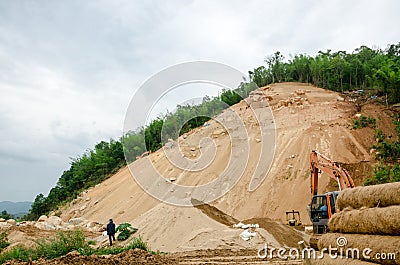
(111, 231)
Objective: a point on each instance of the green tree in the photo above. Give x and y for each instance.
(260, 76)
(4, 214)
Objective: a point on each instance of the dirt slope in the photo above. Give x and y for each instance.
(318, 119)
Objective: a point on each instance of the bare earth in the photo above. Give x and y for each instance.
(322, 121)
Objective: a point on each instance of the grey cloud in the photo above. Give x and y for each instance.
(68, 69)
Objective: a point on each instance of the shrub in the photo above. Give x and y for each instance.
(364, 121)
(3, 241)
(126, 230)
(138, 243)
(63, 243)
(19, 253)
(135, 243)
(384, 174)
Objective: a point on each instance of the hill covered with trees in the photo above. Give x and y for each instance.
(364, 68)
(339, 71)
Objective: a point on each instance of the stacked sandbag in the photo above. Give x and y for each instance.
(381, 195)
(376, 244)
(375, 221)
(369, 218)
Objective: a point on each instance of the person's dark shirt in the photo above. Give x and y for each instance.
(111, 228)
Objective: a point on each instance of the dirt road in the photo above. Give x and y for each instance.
(185, 258)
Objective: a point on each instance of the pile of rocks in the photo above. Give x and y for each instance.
(55, 223)
(5, 224)
(297, 98)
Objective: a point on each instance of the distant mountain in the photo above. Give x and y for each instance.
(15, 207)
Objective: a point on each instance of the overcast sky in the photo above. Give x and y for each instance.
(68, 69)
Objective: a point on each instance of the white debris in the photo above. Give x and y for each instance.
(42, 218)
(245, 226)
(247, 235)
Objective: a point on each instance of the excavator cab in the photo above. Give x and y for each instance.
(321, 208)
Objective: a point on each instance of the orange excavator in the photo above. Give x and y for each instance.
(323, 206)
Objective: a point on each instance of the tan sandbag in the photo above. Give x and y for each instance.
(370, 196)
(376, 221)
(390, 245)
(327, 260)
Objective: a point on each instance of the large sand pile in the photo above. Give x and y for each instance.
(171, 228)
(310, 120)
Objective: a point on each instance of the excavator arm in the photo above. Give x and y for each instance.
(320, 163)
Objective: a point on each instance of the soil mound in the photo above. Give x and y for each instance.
(129, 257)
(173, 229)
(214, 213)
(285, 235)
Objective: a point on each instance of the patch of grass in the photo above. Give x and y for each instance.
(135, 243)
(138, 243)
(363, 122)
(3, 240)
(19, 253)
(384, 174)
(63, 243)
(57, 213)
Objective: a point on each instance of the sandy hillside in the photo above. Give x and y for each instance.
(314, 119)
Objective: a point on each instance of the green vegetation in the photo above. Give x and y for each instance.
(91, 168)
(388, 150)
(126, 230)
(96, 165)
(63, 243)
(364, 68)
(3, 241)
(183, 120)
(384, 174)
(4, 214)
(388, 155)
(363, 122)
(135, 243)
(338, 71)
